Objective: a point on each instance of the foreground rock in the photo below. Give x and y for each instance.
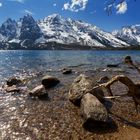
(82, 85)
(92, 109)
(39, 92)
(49, 81)
(13, 81)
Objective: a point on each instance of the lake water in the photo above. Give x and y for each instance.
(24, 118)
(13, 62)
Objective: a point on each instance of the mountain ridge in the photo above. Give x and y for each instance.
(54, 30)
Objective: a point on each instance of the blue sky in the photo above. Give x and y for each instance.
(92, 11)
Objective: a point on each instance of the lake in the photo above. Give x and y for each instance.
(11, 62)
(23, 118)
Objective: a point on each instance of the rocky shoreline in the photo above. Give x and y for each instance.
(57, 117)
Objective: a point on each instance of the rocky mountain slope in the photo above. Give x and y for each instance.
(55, 32)
(129, 34)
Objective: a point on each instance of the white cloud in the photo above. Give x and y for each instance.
(66, 6)
(20, 1)
(75, 5)
(93, 12)
(0, 4)
(54, 4)
(121, 8)
(28, 12)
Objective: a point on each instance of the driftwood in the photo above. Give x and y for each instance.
(133, 89)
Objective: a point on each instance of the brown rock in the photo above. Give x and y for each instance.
(49, 81)
(92, 109)
(11, 88)
(38, 91)
(13, 81)
(82, 85)
(128, 60)
(66, 71)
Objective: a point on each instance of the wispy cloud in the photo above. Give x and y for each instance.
(75, 5)
(20, 1)
(27, 12)
(0, 4)
(121, 8)
(54, 4)
(93, 12)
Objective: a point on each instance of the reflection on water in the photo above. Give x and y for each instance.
(17, 62)
(25, 118)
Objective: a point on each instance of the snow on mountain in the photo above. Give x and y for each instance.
(8, 28)
(68, 31)
(64, 31)
(28, 33)
(2, 38)
(29, 29)
(129, 34)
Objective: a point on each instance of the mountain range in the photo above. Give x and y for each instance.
(55, 32)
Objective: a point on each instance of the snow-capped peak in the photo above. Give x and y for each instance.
(9, 28)
(55, 28)
(129, 34)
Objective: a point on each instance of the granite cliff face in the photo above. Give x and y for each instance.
(29, 29)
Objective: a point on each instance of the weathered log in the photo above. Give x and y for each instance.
(92, 109)
(133, 89)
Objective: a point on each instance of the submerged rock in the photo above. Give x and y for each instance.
(38, 91)
(49, 81)
(82, 85)
(66, 71)
(128, 60)
(92, 109)
(13, 81)
(112, 65)
(13, 88)
(103, 79)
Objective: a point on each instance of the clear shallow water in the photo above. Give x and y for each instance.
(17, 62)
(24, 118)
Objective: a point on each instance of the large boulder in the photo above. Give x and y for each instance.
(82, 85)
(49, 81)
(92, 109)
